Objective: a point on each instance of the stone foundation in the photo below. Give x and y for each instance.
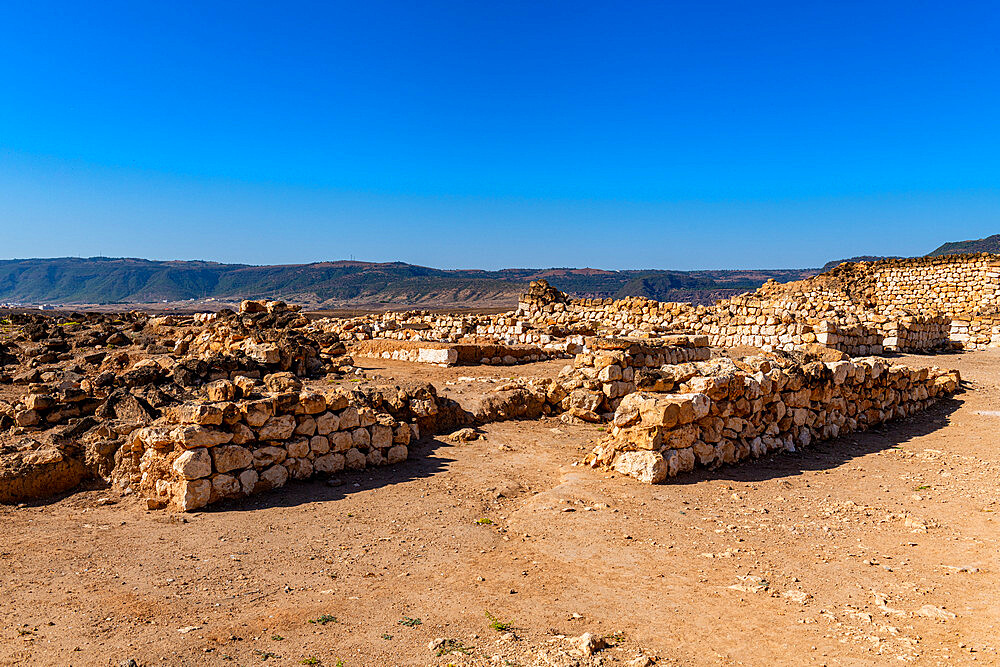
(200, 453)
(727, 411)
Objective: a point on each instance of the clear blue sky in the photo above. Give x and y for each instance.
(492, 134)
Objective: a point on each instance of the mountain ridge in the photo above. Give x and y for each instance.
(354, 283)
(989, 244)
(131, 280)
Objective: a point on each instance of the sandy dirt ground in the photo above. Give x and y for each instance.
(876, 548)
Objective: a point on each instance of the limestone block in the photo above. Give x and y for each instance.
(299, 468)
(242, 434)
(221, 390)
(646, 466)
(248, 481)
(306, 426)
(231, 457)
(278, 383)
(361, 438)
(298, 448)
(312, 403)
(381, 436)
(193, 464)
(375, 457)
(446, 356)
(318, 445)
(192, 494)
(279, 427)
(679, 460)
(197, 413)
(397, 454)
(349, 419)
(273, 477)
(329, 463)
(341, 441)
(225, 486)
(354, 459)
(256, 413)
(192, 436)
(327, 423)
(402, 435)
(267, 456)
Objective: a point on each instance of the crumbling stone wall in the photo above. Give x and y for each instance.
(726, 411)
(200, 453)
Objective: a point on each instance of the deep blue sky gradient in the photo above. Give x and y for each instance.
(491, 134)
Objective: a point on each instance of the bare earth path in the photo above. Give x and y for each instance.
(873, 549)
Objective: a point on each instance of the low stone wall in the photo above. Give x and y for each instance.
(200, 453)
(450, 354)
(975, 332)
(726, 413)
(614, 367)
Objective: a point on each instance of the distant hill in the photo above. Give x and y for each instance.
(860, 258)
(988, 244)
(109, 280)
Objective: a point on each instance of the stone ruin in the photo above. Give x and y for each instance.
(190, 410)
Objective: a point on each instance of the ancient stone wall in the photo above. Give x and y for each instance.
(450, 354)
(863, 308)
(199, 453)
(726, 411)
(950, 285)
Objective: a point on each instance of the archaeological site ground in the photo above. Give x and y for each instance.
(805, 474)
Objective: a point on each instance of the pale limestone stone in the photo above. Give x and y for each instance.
(298, 448)
(366, 417)
(306, 426)
(192, 436)
(279, 427)
(349, 419)
(273, 477)
(402, 435)
(299, 468)
(318, 445)
(381, 436)
(242, 434)
(397, 454)
(312, 403)
(341, 441)
(193, 464)
(197, 413)
(646, 466)
(248, 481)
(327, 423)
(329, 463)
(267, 456)
(375, 458)
(361, 438)
(231, 457)
(256, 413)
(354, 459)
(225, 486)
(192, 494)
